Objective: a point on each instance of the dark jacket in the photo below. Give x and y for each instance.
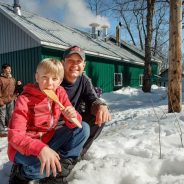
(82, 93)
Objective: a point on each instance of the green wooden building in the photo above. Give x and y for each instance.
(27, 38)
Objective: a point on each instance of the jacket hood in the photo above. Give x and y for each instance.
(33, 90)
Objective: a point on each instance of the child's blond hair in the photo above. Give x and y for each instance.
(51, 65)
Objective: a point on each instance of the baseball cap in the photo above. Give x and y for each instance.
(74, 50)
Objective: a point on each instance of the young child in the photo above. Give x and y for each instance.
(42, 153)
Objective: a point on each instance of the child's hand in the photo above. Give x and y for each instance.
(69, 112)
(49, 159)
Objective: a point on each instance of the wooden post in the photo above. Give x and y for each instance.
(175, 63)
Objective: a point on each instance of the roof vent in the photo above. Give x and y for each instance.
(17, 7)
(94, 32)
(104, 32)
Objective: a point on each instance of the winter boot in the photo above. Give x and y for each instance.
(15, 176)
(66, 164)
(50, 180)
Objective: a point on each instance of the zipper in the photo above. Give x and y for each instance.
(41, 134)
(51, 115)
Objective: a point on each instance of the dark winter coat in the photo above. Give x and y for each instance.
(82, 95)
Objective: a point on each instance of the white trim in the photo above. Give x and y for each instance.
(54, 45)
(141, 79)
(102, 55)
(121, 79)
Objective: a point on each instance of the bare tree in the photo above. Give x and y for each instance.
(175, 63)
(147, 24)
(159, 30)
(140, 23)
(99, 7)
(133, 17)
(147, 66)
(127, 25)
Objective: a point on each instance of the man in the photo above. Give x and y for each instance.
(81, 91)
(7, 88)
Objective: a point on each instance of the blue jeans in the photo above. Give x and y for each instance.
(67, 142)
(5, 114)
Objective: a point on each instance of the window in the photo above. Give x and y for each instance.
(141, 79)
(118, 79)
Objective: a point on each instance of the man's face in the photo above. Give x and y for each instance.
(47, 80)
(73, 67)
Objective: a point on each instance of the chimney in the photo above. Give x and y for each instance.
(118, 34)
(93, 28)
(17, 7)
(104, 32)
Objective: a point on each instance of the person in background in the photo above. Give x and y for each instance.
(7, 96)
(18, 88)
(81, 91)
(39, 149)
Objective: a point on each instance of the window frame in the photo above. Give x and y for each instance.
(120, 82)
(141, 79)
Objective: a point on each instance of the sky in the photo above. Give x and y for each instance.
(128, 150)
(70, 12)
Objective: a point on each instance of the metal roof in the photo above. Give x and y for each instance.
(54, 34)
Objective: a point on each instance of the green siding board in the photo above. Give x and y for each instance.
(101, 71)
(154, 78)
(131, 75)
(51, 53)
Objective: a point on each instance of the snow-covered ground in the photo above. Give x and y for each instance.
(128, 149)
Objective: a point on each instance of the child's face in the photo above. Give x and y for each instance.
(47, 80)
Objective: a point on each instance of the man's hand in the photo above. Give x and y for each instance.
(49, 159)
(103, 115)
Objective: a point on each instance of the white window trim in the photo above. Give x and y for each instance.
(141, 79)
(121, 84)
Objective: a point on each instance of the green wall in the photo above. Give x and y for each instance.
(49, 53)
(100, 70)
